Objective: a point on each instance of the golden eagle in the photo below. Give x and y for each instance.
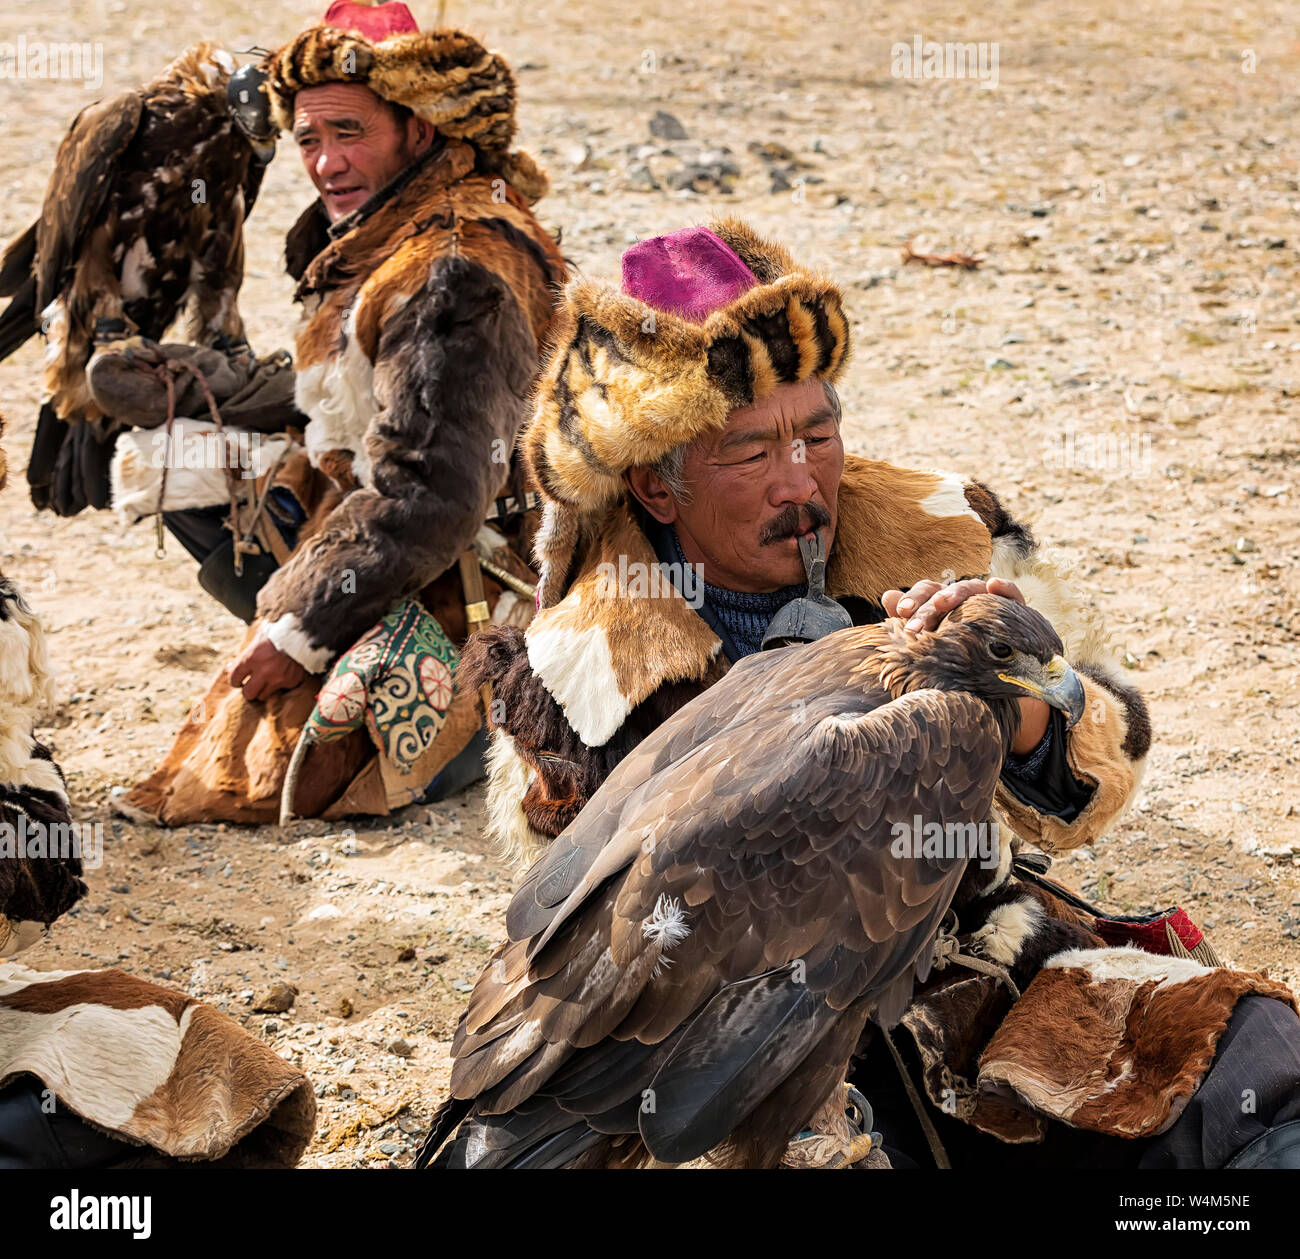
(143, 218)
(692, 962)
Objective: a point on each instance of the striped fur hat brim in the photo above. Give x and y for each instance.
(445, 77)
(626, 384)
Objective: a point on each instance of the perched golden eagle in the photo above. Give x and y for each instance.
(692, 962)
(143, 219)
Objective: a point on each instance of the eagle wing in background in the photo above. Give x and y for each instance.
(83, 174)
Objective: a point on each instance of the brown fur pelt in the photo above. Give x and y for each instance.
(154, 1067)
(1115, 1040)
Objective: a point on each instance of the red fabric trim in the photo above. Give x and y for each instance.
(1148, 933)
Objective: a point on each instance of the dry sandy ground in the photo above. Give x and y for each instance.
(1131, 181)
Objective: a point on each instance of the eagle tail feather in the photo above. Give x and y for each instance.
(537, 1136)
(745, 1043)
(445, 1121)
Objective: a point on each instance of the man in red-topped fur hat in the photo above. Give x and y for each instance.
(426, 287)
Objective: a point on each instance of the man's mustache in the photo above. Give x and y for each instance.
(792, 521)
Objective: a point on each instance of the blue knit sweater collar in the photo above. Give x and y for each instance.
(745, 615)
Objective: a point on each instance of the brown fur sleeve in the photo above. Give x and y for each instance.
(540, 772)
(451, 377)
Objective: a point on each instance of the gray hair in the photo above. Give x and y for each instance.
(671, 469)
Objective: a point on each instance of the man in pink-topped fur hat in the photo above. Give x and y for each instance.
(699, 507)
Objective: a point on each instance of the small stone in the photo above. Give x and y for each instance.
(771, 151)
(407, 954)
(402, 1048)
(1244, 546)
(665, 126)
(345, 1007)
(278, 999)
(271, 1025)
(640, 178)
(389, 1147)
(998, 364)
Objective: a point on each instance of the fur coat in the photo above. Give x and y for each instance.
(423, 314)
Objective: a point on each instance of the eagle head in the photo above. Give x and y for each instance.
(1000, 649)
(250, 107)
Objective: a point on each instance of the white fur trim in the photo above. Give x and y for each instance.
(288, 636)
(509, 778)
(1037, 574)
(1128, 962)
(338, 395)
(138, 465)
(26, 683)
(19, 768)
(578, 670)
(948, 498)
(1007, 930)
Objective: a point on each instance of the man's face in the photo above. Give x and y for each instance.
(352, 143)
(772, 474)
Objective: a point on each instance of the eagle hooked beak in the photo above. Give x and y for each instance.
(1060, 688)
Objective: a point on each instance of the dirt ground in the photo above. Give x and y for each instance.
(1123, 368)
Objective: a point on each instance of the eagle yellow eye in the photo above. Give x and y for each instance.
(1000, 651)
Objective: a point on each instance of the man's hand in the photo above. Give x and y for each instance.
(928, 602)
(263, 669)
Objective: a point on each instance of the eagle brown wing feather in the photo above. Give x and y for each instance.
(812, 802)
(746, 695)
(83, 172)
